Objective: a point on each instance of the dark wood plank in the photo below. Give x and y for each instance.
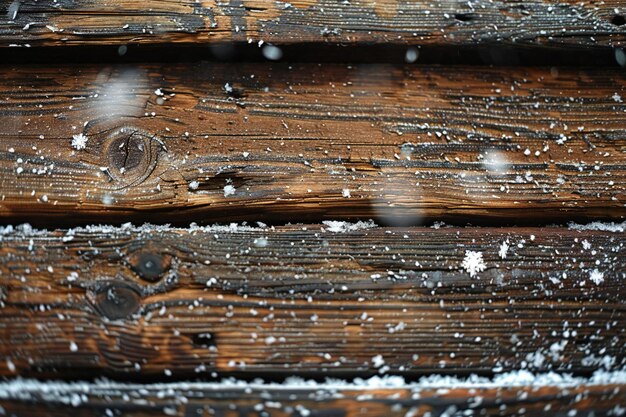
(159, 302)
(27, 398)
(177, 143)
(571, 23)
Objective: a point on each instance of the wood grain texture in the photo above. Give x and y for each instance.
(181, 143)
(450, 22)
(200, 400)
(183, 303)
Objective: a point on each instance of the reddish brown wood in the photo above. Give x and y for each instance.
(177, 143)
(155, 302)
(570, 23)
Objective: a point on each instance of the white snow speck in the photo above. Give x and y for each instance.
(378, 361)
(73, 347)
(228, 88)
(193, 185)
(596, 276)
(346, 193)
(229, 190)
(617, 98)
(79, 141)
(473, 263)
(10, 365)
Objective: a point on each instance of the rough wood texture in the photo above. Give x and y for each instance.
(200, 142)
(70, 22)
(200, 400)
(155, 302)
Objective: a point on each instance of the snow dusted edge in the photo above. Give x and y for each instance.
(333, 226)
(26, 230)
(66, 391)
(604, 227)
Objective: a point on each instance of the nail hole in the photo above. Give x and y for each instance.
(464, 17)
(618, 20)
(204, 340)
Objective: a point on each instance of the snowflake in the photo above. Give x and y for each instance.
(473, 263)
(79, 141)
(504, 249)
(229, 190)
(596, 276)
(378, 361)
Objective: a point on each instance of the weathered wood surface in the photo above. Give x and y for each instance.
(159, 302)
(260, 400)
(51, 22)
(304, 142)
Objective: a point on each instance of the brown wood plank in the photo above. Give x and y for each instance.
(299, 400)
(572, 23)
(304, 142)
(159, 302)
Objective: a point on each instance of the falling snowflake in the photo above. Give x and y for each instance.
(473, 263)
(596, 276)
(79, 141)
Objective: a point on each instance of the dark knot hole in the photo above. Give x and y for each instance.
(618, 20)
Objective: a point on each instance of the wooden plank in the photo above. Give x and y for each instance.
(304, 142)
(159, 302)
(25, 398)
(50, 22)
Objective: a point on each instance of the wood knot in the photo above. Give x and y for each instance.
(149, 266)
(117, 301)
(132, 155)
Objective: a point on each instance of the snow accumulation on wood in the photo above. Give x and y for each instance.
(74, 393)
(605, 227)
(26, 230)
(334, 226)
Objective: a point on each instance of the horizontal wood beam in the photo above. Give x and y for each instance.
(538, 22)
(303, 398)
(329, 299)
(181, 143)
